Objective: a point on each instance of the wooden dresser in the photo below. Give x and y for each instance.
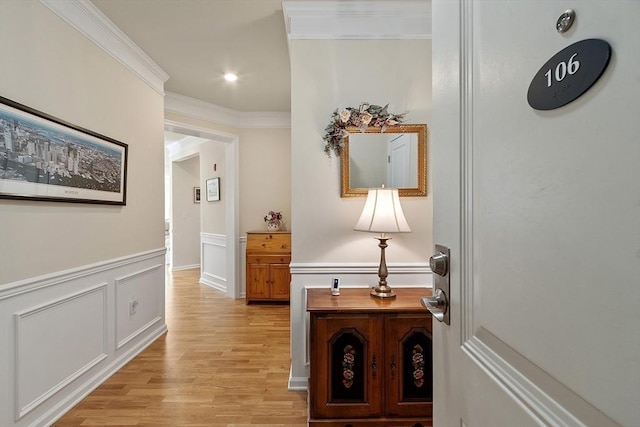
(370, 359)
(268, 257)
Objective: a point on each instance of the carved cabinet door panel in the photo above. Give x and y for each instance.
(408, 365)
(346, 365)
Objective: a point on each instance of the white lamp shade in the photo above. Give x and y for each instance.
(382, 213)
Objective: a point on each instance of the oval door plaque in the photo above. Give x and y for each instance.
(569, 74)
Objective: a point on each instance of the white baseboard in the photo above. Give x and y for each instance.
(213, 282)
(298, 383)
(81, 392)
(185, 267)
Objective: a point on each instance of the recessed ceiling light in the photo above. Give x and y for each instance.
(230, 77)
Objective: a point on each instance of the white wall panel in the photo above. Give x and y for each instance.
(138, 290)
(347, 73)
(63, 334)
(56, 343)
(213, 261)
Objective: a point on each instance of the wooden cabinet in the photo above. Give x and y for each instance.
(370, 359)
(268, 257)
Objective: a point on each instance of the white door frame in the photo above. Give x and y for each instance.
(231, 190)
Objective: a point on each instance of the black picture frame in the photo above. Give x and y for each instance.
(213, 189)
(47, 159)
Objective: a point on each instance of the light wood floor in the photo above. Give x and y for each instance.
(222, 363)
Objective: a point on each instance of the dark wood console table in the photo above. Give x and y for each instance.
(370, 359)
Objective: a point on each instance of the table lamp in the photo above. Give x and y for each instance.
(382, 214)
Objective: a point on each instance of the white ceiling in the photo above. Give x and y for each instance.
(197, 41)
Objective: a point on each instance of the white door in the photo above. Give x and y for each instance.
(402, 162)
(541, 210)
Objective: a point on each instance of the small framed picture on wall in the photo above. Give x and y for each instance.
(196, 194)
(213, 189)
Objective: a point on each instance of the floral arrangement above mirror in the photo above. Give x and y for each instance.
(364, 116)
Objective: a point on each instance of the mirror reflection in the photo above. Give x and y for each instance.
(395, 158)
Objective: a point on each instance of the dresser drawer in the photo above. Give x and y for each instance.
(269, 242)
(269, 259)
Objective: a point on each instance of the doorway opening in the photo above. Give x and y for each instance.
(194, 137)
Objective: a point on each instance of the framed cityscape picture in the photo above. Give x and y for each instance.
(45, 158)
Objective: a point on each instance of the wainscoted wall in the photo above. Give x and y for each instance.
(65, 333)
(319, 275)
(352, 75)
(213, 260)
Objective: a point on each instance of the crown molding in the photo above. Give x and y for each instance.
(95, 26)
(357, 19)
(201, 110)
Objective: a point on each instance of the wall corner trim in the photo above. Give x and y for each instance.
(358, 268)
(13, 289)
(298, 383)
(95, 26)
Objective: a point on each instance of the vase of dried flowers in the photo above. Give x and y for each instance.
(273, 220)
(273, 226)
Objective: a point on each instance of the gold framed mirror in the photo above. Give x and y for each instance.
(396, 158)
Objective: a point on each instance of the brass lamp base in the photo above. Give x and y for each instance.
(382, 290)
